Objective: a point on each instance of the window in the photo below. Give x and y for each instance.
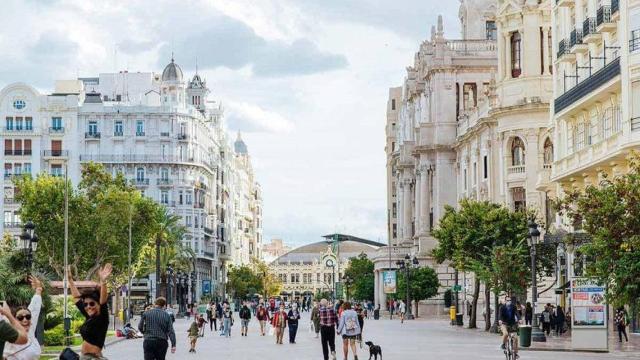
(519, 199)
(139, 128)
(393, 104)
(28, 123)
(465, 178)
(56, 147)
(164, 197)
(17, 169)
(475, 174)
(492, 30)
(27, 168)
(180, 197)
(189, 198)
(188, 220)
(118, 128)
(634, 26)
(7, 217)
(548, 152)
(395, 231)
(516, 43)
(93, 127)
(485, 165)
(140, 174)
(56, 123)
(56, 170)
(8, 147)
(7, 170)
(517, 152)
(550, 51)
(164, 174)
(394, 210)
(19, 123)
(27, 147)
(19, 104)
(9, 122)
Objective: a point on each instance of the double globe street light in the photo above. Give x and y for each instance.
(407, 264)
(532, 240)
(29, 242)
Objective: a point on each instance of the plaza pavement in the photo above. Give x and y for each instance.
(412, 340)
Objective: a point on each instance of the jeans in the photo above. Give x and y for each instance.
(622, 329)
(213, 324)
(328, 340)
(293, 330)
(155, 349)
(226, 323)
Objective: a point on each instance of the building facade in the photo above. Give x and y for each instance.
(274, 249)
(163, 134)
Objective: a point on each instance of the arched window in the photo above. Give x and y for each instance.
(517, 152)
(548, 152)
(516, 52)
(140, 174)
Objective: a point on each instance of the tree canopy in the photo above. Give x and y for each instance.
(423, 283)
(360, 270)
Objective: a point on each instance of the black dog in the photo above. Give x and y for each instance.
(374, 350)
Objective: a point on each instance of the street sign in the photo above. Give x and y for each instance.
(456, 288)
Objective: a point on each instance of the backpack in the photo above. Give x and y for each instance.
(350, 323)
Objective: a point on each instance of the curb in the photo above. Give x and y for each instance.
(565, 350)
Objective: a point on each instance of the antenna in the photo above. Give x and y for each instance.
(196, 65)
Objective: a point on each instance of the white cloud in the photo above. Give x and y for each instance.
(247, 117)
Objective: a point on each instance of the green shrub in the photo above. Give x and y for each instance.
(55, 336)
(75, 326)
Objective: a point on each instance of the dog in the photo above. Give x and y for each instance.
(374, 350)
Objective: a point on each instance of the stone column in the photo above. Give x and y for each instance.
(417, 210)
(376, 285)
(407, 211)
(501, 59)
(507, 56)
(382, 297)
(545, 50)
(424, 204)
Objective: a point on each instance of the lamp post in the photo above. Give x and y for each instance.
(193, 287)
(532, 239)
(330, 263)
(29, 242)
(347, 282)
(169, 284)
(406, 265)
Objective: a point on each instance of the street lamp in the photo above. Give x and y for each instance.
(193, 287)
(169, 284)
(347, 282)
(532, 240)
(330, 263)
(29, 242)
(406, 265)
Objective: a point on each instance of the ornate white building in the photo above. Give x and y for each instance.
(159, 130)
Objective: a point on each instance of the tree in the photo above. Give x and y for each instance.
(242, 281)
(360, 270)
(423, 284)
(609, 212)
(270, 284)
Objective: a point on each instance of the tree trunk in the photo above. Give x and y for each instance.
(487, 307)
(494, 327)
(474, 303)
(158, 268)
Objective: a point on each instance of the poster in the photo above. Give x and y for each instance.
(588, 304)
(389, 281)
(206, 287)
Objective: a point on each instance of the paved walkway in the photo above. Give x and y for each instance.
(413, 340)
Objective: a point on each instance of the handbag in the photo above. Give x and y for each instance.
(68, 354)
(271, 331)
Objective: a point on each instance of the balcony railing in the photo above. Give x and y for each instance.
(635, 123)
(603, 15)
(615, 6)
(92, 135)
(55, 153)
(164, 134)
(634, 41)
(562, 48)
(182, 136)
(21, 130)
(140, 158)
(139, 133)
(56, 130)
(576, 37)
(17, 152)
(165, 182)
(140, 182)
(516, 169)
(118, 133)
(12, 224)
(586, 86)
(589, 27)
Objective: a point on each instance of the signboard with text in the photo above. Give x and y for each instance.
(588, 304)
(389, 281)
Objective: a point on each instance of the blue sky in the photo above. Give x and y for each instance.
(306, 82)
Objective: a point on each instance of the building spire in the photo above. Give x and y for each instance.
(196, 65)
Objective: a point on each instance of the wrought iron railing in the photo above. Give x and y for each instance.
(615, 6)
(562, 48)
(634, 41)
(576, 37)
(603, 15)
(588, 26)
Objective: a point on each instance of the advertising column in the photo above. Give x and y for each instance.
(588, 315)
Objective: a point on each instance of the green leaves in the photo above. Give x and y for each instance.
(423, 283)
(360, 270)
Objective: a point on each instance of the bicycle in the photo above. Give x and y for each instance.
(509, 350)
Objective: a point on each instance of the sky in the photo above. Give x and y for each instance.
(305, 81)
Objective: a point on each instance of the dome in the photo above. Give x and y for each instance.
(349, 247)
(172, 72)
(239, 146)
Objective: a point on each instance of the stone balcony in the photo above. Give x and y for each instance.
(516, 172)
(544, 178)
(482, 48)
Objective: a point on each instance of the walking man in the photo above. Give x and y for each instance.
(245, 316)
(157, 327)
(328, 322)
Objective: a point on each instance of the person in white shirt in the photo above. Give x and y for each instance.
(28, 318)
(403, 310)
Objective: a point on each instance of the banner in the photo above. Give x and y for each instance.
(588, 304)
(206, 287)
(389, 281)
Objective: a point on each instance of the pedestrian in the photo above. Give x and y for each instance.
(245, 317)
(188, 313)
(157, 327)
(193, 332)
(403, 310)
(292, 321)
(201, 323)
(92, 304)
(315, 318)
(263, 316)
(621, 323)
(212, 313)
(279, 322)
(328, 322)
(11, 331)
(349, 328)
(361, 316)
(227, 320)
(546, 319)
(26, 317)
(528, 314)
(559, 321)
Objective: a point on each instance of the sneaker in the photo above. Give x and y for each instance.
(503, 347)
(333, 355)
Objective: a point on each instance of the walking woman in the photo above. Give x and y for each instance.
(212, 313)
(349, 328)
(193, 334)
(27, 316)
(292, 320)
(227, 320)
(528, 314)
(279, 322)
(621, 323)
(92, 304)
(560, 319)
(263, 316)
(315, 318)
(361, 316)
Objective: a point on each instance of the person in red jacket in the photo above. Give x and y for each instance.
(263, 316)
(279, 322)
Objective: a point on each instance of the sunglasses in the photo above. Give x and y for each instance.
(22, 317)
(90, 303)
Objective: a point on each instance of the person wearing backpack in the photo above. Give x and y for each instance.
(621, 323)
(349, 328)
(245, 316)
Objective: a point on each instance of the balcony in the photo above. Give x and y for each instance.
(563, 51)
(55, 154)
(603, 19)
(92, 135)
(634, 41)
(17, 152)
(140, 133)
(10, 201)
(198, 205)
(182, 137)
(12, 130)
(587, 86)
(516, 169)
(56, 173)
(575, 42)
(565, 3)
(635, 124)
(164, 182)
(56, 130)
(12, 225)
(615, 10)
(118, 134)
(164, 134)
(140, 182)
(544, 178)
(589, 31)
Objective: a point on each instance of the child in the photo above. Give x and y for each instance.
(193, 334)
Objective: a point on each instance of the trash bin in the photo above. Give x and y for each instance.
(459, 320)
(376, 314)
(452, 315)
(524, 332)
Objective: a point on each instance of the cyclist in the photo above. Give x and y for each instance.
(509, 319)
